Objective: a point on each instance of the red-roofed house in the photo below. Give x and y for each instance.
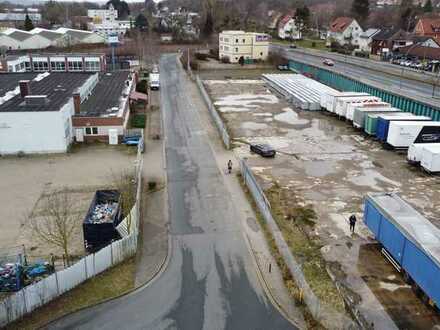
(287, 28)
(345, 30)
(428, 27)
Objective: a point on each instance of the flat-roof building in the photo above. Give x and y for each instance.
(46, 112)
(246, 45)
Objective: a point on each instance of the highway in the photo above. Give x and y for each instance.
(210, 281)
(348, 67)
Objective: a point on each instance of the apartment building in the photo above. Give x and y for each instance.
(246, 45)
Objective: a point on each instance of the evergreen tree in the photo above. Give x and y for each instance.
(427, 8)
(28, 25)
(208, 27)
(360, 9)
(141, 22)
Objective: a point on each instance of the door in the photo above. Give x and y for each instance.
(79, 134)
(112, 136)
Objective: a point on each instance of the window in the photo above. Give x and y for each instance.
(261, 53)
(236, 49)
(236, 40)
(27, 66)
(92, 66)
(244, 40)
(40, 66)
(91, 130)
(58, 66)
(75, 65)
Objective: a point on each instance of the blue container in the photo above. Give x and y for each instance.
(382, 129)
(412, 240)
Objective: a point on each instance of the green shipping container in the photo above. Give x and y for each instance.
(371, 122)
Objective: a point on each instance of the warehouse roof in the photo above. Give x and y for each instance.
(9, 81)
(107, 95)
(58, 87)
(416, 228)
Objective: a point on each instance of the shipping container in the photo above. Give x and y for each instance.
(352, 106)
(383, 123)
(401, 134)
(360, 114)
(409, 240)
(371, 121)
(104, 214)
(414, 155)
(430, 159)
(341, 103)
(332, 99)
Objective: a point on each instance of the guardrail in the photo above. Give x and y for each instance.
(328, 317)
(33, 296)
(214, 114)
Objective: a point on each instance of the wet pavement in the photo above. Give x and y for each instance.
(330, 165)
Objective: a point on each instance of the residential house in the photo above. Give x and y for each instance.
(366, 38)
(389, 39)
(105, 22)
(236, 45)
(288, 28)
(345, 31)
(428, 27)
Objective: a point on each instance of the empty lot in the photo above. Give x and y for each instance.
(25, 180)
(324, 168)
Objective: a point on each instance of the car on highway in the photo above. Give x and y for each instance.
(292, 46)
(328, 62)
(283, 67)
(262, 149)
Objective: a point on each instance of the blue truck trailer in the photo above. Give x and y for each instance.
(411, 242)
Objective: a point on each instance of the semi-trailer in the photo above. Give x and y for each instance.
(341, 103)
(370, 124)
(360, 114)
(401, 134)
(414, 155)
(430, 158)
(352, 106)
(383, 123)
(331, 100)
(409, 241)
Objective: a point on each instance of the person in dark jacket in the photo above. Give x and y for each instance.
(230, 166)
(352, 220)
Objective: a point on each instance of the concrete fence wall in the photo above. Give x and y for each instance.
(33, 296)
(328, 317)
(214, 114)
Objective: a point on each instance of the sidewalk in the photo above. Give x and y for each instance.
(153, 239)
(268, 270)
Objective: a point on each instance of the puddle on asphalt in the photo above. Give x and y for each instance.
(290, 117)
(320, 168)
(371, 178)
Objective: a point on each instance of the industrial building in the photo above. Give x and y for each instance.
(46, 112)
(38, 38)
(54, 63)
(245, 45)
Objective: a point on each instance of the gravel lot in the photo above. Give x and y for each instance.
(326, 165)
(24, 181)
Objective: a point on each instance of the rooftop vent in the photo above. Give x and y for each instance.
(36, 100)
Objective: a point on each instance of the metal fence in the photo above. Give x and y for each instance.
(214, 114)
(328, 317)
(33, 296)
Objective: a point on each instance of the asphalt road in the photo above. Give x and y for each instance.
(382, 79)
(210, 281)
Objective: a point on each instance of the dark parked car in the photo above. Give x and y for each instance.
(264, 150)
(292, 46)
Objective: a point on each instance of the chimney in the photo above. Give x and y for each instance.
(25, 89)
(77, 103)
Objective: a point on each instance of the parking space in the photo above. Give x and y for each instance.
(323, 169)
(24, 181)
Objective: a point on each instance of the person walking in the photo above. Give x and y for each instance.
(352, 220)
(229, 166)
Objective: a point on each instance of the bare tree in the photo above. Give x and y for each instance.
(124, 182)
(56, 220)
